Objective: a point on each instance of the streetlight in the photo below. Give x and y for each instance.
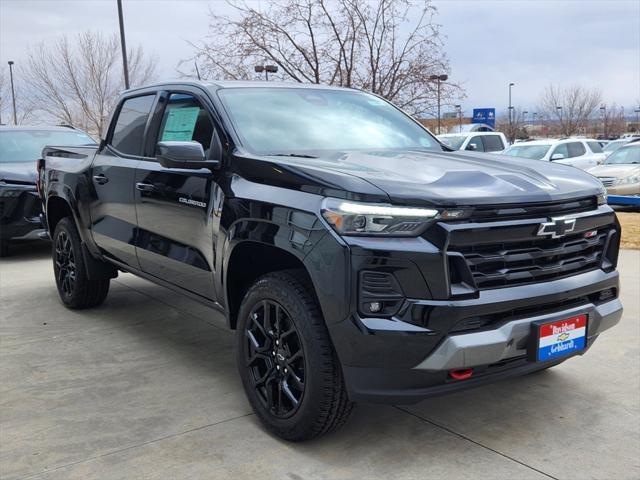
(510, 110)
(438, 79)
(266, 69)
(559, 110)
(603, 112)
(13, 93)
(459, 110)
(123, 47)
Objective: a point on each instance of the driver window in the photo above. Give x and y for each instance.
(562, 150)
(477, 142)
(185, 119)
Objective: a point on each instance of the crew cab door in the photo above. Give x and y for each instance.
(176, 208)
(113, 215)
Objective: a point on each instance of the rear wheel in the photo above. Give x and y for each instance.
(286, 360)
(75, 287)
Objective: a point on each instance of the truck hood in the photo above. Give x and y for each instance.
(20, 172)
(412, 177)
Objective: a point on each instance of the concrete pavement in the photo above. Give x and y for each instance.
(145, 386)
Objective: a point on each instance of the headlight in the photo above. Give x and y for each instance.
(631, 179)
(352, 218)
(602, 198)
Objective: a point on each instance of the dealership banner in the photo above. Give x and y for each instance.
(484, 115)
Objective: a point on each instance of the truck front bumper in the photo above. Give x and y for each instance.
(392, 361)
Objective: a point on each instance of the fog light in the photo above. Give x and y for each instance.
(606, 294)
(375, 307)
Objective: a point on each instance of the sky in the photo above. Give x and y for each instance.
(532, 43)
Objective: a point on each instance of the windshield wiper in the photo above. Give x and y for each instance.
(297, 155)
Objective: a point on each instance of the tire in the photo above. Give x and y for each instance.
(4, 247)
(75, 288)
(313, 376)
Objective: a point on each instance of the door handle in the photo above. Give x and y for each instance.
(100, 179)
(145, 187)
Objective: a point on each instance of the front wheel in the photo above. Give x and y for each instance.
(75, 287)
(287, 363)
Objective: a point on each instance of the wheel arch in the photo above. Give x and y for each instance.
(248, 261)
(57, 209)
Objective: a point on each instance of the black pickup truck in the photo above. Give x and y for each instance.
(358, 259)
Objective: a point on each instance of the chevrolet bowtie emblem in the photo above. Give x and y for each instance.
(557, 227)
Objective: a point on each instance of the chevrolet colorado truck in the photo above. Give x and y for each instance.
(357, 258)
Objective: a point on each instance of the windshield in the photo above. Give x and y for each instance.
(613, 146)
(293, 120)
(535, 152)
(27, 145)
(628, 155)
(454, 142)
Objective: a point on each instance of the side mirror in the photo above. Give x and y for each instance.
(183, 155)
(472, 147)
(557, 156)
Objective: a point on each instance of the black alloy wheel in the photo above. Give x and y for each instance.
(289, 369)
(65, 263)
(275, 358)
(80, 284)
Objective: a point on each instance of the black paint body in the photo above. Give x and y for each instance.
(252, 214)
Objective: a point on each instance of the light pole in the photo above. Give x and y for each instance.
(123, 47)
(559, 110)
(459, 110)
(510, 111)
(535, 119)
(637, 112)
(266, 69)
(603, 112)
(13, 93)
(438, 79)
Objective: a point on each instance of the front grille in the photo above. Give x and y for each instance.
(506, 264)
(531, 210)
(607, 181)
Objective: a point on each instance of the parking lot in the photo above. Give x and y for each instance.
(145, 387)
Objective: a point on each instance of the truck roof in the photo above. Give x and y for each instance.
(221, 84)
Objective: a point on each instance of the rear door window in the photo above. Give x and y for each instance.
(595, 147)
(477, 142)
(128, 133)
(576, 149)
(492, 143)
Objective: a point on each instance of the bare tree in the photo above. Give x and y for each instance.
(612, 122)
(78, 82)
(388, 47)
(515, 128)
(570, 107)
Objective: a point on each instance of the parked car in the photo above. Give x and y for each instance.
(475, 141)
(20, 148)
(577, 152)
(353, 267)
(620, 173)
(615, 145)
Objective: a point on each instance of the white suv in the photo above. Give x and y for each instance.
(577, 152)
(476, 141)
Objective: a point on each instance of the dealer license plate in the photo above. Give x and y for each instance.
(560, 338)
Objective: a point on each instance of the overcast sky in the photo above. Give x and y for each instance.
(490, 43)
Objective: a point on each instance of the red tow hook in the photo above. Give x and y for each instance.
(461, 374)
